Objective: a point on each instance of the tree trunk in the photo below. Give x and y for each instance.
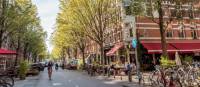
(162, 31)
(18, 49)
(1, 39)
(2, 20)
(75, 53)
(103, 61)
(83, 55)
(68, 53)
(25, 51)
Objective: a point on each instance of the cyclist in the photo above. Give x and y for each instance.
(50, 65)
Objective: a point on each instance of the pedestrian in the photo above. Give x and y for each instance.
(111, 70)
(63, 66)
(129, 70)
(56, 66)
(50, 65)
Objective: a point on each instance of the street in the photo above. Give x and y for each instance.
(67, 78)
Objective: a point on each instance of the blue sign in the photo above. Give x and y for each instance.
(134, 43)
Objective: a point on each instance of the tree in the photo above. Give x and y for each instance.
(95, 17)
(27, 32)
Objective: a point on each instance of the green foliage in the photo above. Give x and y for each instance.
(137, 7)
(165, 62)
(23, 67)
(23, 29)
(188, 59)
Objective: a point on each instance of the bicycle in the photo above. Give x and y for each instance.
(8, 76)
(6, 81)
(164, 78)
(188, 75)
(192, 76)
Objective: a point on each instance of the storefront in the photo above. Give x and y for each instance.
(7, 59)
(154, 50)
(116, 54)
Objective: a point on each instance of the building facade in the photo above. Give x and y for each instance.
(183, 36)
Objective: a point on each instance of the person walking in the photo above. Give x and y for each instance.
(129, 70)
(50, 65)
(56, 66)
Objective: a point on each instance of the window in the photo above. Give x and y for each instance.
(173, 13)
(191, 14)
(169, 33)
(194, 32)
(181, 32)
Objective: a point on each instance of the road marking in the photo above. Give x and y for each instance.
(57, 84)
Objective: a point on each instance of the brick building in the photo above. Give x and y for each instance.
(182, 36)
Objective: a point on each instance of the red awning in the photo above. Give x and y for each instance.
(7, 52)
(187, 47)
(114, 49)
(173, 47)
(157, 48)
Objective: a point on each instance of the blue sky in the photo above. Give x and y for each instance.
(47, 11)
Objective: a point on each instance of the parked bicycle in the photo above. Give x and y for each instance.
(178, 76)
(162, 77)
(7, 77)
(6, 81)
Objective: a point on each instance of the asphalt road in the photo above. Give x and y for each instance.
(66, 78)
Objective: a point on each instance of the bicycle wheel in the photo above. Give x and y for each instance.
(5, 85)
(181, 75)
(8, 80)
(192, 79)
(176, 83)
(153, 78)
(172, 79)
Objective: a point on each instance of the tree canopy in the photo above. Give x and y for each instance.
(20, 29)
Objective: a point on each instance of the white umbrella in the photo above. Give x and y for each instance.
(177, 59)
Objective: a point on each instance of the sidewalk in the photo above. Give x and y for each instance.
(124, 80)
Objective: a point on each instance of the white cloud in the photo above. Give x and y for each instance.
(47, 11)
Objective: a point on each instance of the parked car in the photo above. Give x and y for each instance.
(42, 66)
(38, 66)
(33, 70)
(72, 65)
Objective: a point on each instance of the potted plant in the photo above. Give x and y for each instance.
(166, 62)
(188, 59)
(23, 67)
